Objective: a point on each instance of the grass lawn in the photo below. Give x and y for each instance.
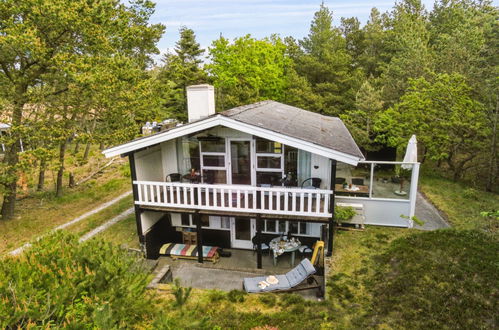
(460, 203)
(41, 211)
(123, 233)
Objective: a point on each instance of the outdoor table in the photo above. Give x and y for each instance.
(192, 178)
(285, 246)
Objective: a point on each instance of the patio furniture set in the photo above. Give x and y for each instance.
(281, 245)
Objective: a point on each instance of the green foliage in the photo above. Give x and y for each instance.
(181, 294)
(216, 296)
(290, 299)
(62, 282)
(447, 274)
(344, 213)
(268, 299)
(248, 70)
(236, 296)
(449, 123)
(181, 69)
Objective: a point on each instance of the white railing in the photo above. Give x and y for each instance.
(235, 198)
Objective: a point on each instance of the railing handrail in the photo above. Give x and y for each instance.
(235, 187)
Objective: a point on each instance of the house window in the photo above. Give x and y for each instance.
(284, 227)
(185, 219)
(205, 220)
(213, 160)
(268, 147)
(269, 162)
(270, 226)
(225, 222)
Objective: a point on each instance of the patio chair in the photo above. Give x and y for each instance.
(358, 181)
(299, 278)
(339, 180)
(174, 177)
(315, 183)
(265, 245)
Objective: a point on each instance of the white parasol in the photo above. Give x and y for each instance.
(411, 153)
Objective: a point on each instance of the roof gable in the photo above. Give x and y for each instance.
(322, 135)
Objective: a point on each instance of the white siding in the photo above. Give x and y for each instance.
(169, 157)
(148, 219)
(323, 170)
(148, 165)
(382, 212)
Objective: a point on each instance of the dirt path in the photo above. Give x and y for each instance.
(78, 219)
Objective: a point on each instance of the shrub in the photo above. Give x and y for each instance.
(181, 294)
(216, 295)
(344, 213)
(236, 296)
(60, 281)
(268, 299)
(291, 299)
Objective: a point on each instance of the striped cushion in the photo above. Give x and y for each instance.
(186, 250)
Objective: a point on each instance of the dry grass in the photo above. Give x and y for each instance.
(123, 233)
(40, 212)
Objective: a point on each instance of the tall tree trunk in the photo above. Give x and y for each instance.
(41, 175)
(60, 172)
(12, 159)
(77, 148)
(89, 143)
(87, 151)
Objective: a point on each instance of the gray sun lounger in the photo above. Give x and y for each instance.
(287, 282)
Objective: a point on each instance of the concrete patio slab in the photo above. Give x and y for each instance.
(429, 214)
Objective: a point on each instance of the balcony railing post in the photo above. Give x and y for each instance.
(331, 210)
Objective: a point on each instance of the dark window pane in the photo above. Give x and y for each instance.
(267, 146)
(291, 165)
(270, 226)
(282, 227)
(269, 162)
(185, 219)
(293, 227)
(213, 146)
(243, 229)
(272, 178)
(303, 228)
(241, 162)
(215, 176)
(211, 160)
(205, 220)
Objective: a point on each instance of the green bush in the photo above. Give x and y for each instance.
(236, 296)
(216, 295)
(268, 299)
(344, 213)
(289, 299)
(61, 282)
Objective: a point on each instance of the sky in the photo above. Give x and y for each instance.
(260, 18)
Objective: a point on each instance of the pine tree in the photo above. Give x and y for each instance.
(326, 65)
(181, 69)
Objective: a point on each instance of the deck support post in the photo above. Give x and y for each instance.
(135, 193)
(197, 220)
(331, 209)
(259, 242)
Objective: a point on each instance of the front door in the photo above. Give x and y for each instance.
(242, 231)
(240, 162)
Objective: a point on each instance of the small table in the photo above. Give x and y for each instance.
(286, 246)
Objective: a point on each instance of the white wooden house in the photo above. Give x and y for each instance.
(260, 169)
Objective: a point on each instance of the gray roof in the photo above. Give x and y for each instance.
(329, 132)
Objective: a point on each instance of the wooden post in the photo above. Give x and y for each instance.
(259, 241)
(135, 191)
(331, 209)
(197, 220)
